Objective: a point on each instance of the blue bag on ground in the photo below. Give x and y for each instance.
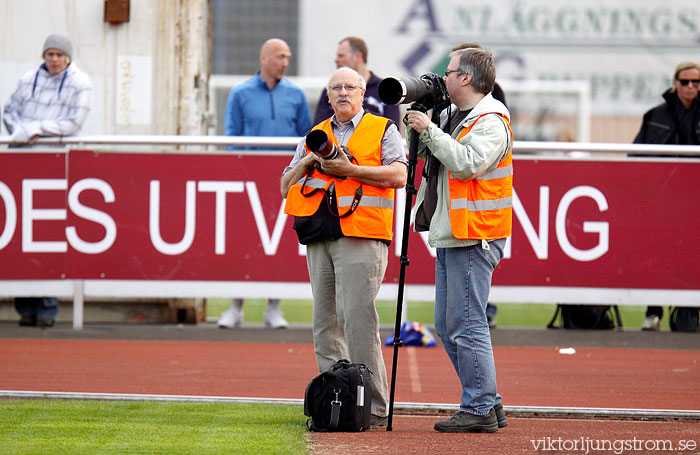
(413, 334)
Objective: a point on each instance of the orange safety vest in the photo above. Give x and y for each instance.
(482, 208)
(373, 217)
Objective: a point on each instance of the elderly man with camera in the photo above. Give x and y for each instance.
(465, 201)
(343, 207)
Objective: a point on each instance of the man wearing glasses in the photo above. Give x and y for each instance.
(465, 202)
(675, 121)
(343, 212)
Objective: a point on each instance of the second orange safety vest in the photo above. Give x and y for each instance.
(482, 208)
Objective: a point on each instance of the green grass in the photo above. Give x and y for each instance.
(509, 314)
(94, 427)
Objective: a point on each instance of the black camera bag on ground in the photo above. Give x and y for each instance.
(684, 319)
(339, 399)
(585, 317)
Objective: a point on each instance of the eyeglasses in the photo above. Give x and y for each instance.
(447, 72)
(348, 88)
(684, 82)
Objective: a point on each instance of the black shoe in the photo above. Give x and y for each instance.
(377, 421)
(28, 320)
(463, 422)
(492, 321)
(500, 415)
(44, 321)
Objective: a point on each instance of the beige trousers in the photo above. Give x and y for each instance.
(345, 277)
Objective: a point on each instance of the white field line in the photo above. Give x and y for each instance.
(410, 408)
(413, 370)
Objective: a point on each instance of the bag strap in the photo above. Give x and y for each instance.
(672, 318)
(355, 202)
(335, 410)
(554, 318)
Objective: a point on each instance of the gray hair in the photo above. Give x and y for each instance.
(477, 62)
(360, 79)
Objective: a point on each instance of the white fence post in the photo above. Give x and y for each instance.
(78, 303)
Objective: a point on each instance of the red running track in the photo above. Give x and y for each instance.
(527, 376)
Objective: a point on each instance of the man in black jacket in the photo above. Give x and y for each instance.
(675, 121)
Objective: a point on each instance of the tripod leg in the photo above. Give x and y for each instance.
(410, 191)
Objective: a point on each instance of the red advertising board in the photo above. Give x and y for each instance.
(218, 217)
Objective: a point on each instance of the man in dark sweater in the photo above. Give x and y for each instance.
(352, 53)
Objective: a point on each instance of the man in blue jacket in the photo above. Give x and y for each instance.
(266, 105)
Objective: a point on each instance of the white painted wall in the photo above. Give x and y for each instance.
(160, 50)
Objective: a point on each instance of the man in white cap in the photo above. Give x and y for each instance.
(53, 100)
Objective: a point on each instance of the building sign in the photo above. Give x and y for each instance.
(627, 51)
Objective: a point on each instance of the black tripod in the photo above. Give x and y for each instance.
(410, 191)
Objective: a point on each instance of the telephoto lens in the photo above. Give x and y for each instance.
(428, 90)
(317, 141)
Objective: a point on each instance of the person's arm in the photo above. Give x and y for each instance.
(233, 123)
(393, 175)
(393, 172)
(303, 120)
(12, 112)
(297, 168)
(640, 138)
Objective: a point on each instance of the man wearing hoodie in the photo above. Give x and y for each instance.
(53, 100)
(466, 203)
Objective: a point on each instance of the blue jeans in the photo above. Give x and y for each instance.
(462, 287)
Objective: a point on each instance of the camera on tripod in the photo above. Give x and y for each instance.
(428, 90)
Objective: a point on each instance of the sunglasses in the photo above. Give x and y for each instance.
(685, 82)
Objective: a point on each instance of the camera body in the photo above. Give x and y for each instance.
(428, 90)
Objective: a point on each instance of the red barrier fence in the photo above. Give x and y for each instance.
(208, 224)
